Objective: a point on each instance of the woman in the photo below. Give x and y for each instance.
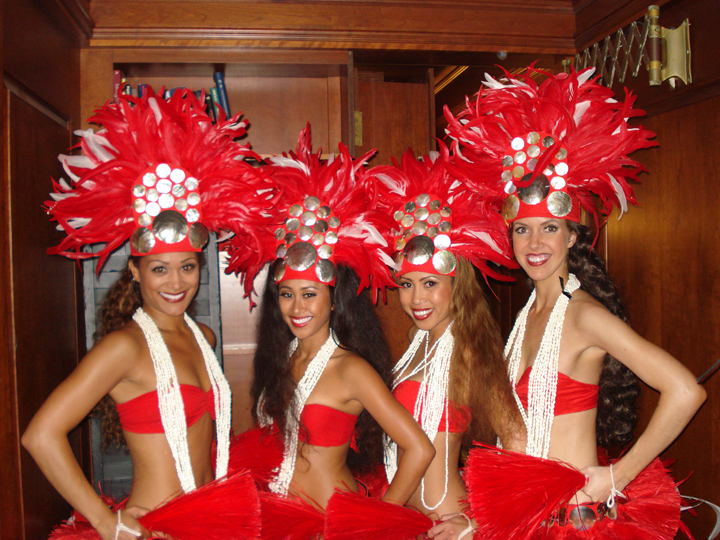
(321, 358)
(153, 360)
(571, 354)
(452, 377)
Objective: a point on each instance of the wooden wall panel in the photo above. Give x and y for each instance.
(665, 258)
(546, 26)
(40, 56)
(395, 117)
(46, 297)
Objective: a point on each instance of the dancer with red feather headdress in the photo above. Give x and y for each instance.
(551, 150)
(321, 365)
(159, 174)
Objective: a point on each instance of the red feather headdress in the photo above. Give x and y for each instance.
(326, 215)
(161, 173)
(437, 219)
(550, 148)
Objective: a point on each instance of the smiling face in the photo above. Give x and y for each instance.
(541, 246)
(426, 299)
(168, 281)
(306, 307)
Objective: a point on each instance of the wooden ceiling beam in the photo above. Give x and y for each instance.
(516, 26)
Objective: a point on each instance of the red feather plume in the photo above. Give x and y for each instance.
(95, 207)
(350, 516)
(342, 184)
(289, 519)
(511, 494)
(225, 509)
(258, 450)
(479, 233)
(582, 116)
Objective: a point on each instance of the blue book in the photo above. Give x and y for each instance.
(142, 89)
(222, 92)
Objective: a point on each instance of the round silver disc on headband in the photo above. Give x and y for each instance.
(445, 227)
(325, 251)
(422, 214)
(144, 220)
(325, 271)
(164, 185)
(323, 212)
(321, 226)
(559, 204)
(281, 251)
(548, 141)
(295, 210)
(422, 200)
(139, 205)
(305, 233)
(418, 250)
(290, 238)
(434, 219)
(334, 222)
(407, 220)
(191, 183)
(419, 227)
(410, 207)
(511, 206)
(318, 239)
(138, 191)
(444, 261)
(170, 226)
(398, 258)
(181, 205)
(149, 179)
(178, 191)
(507, 161)
(331, 238)
(279, 233)
(400, 244)
(535, 192)
(292, 224)
(312, 203)
(533, 137)
(198, 235)
(301, 256)
(308, 218)
(279, 269)
(434, 205)
(432, 232)
(142, 240)
(398, 215)
(442, 241)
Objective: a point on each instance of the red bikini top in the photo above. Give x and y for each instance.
(407, 392)
(324, 426)
(142, 414)
(572, 396)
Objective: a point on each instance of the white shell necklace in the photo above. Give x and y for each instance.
(432, 398)
(304, 388)
(542, 387)
(170, 401)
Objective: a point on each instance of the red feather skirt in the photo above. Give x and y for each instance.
(226, 509)
(258, 450)
(512, 495)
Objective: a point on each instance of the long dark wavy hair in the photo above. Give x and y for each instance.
(121, 301)
(619, 387)
(358, 330)
(478, 376)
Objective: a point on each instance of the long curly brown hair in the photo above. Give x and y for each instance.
(619, 387)
(478, 375)
(119, 304)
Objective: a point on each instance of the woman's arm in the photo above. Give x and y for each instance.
(369, 389)
(46, 436)
(680, 395)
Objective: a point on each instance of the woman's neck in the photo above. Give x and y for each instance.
(548, 290)
(436, 333)
(308, 347)
(165, 322)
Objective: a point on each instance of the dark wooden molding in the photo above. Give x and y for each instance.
(362, 40)
(516, 26)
